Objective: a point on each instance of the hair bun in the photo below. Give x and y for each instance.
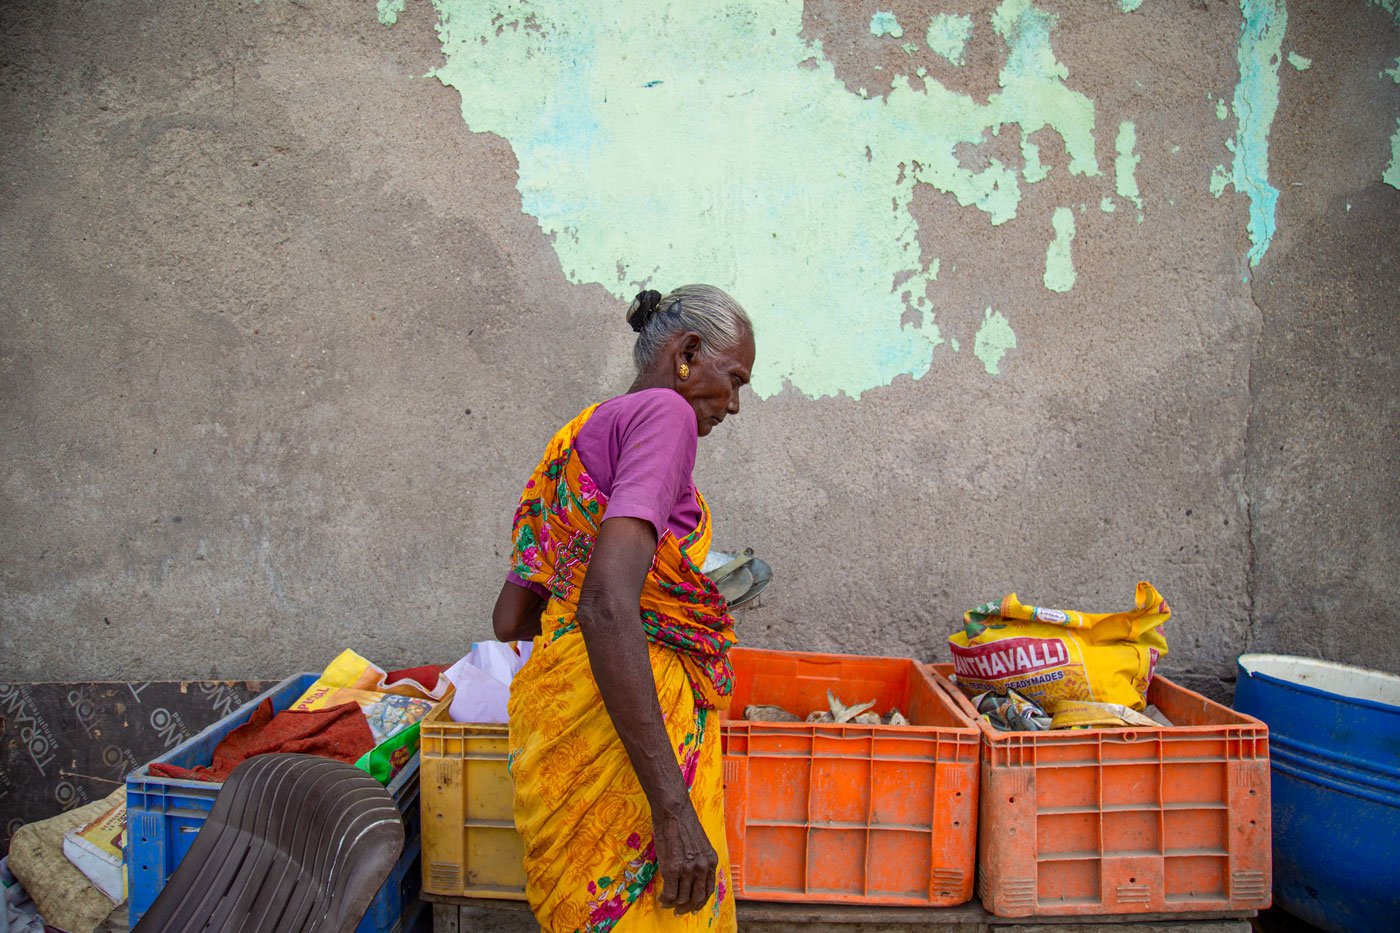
(643, 309)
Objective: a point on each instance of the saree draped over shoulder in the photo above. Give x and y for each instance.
(590, 861)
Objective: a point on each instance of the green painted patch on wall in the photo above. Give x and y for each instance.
(1125, 165)
(1390, 6)
(660, 144)
(884, 23)
(1059, 264)
(1263, 25)
(1391, 175)
(993, 339)
(947, 36)
(389, 11)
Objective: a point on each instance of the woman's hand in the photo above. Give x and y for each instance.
(609, 619)
(684, 858)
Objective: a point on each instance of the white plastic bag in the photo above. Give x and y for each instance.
(482, 679)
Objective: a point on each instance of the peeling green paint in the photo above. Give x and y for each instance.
(1107, 206)
(389, 11)
(1220, 179)
(1032, 170)
(1390, 6)
(1125, 165)
(1391, 175)
(957, 347)
(1299, 62)
(1059, 264)
(948, 34)
(760, 138)
(993, 339)
(1255, 103)
(884, 23)
(1222, 112)
(1129, 6)
(1033, 90)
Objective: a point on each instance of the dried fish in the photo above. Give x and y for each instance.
(757, 713)
(820, 716)
(896, 718)
(842, 713)
(868, 719)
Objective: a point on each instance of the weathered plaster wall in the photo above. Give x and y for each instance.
(1051, 297)
(1325, 431)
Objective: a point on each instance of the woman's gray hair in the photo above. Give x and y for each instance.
(709, 311)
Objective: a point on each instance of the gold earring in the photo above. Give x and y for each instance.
(685, 371)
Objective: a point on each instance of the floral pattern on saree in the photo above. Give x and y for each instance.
(609, 897)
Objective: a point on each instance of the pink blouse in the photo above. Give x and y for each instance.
(639, 449)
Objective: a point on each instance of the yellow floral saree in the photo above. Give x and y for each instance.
(590, 863)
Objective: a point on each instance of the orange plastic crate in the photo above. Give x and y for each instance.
(1124, 821)
(849, 813)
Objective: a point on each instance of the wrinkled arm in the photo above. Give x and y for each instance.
(517, 613)
(608, 615)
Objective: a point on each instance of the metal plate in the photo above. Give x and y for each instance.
(744, 584)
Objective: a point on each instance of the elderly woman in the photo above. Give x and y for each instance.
(614, 723)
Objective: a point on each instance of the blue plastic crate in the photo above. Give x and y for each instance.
(163, 815)
(397, 903)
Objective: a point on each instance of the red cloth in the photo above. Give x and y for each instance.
(426, 676)
(339, 732)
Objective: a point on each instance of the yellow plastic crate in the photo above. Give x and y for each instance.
(470, 846)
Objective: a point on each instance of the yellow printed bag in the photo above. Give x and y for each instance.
(1055, 655)
(350, 670)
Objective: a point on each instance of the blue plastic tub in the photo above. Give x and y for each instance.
(163, 815)
(1335, 732)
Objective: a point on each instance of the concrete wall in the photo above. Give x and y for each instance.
(285, 319)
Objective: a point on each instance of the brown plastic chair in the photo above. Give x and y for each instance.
(294, 844)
